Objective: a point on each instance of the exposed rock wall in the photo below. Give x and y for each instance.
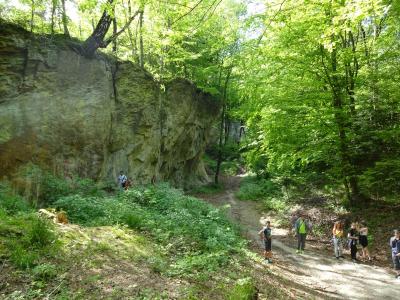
(95, 117)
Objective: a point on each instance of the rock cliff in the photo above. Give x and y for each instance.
(95, 117)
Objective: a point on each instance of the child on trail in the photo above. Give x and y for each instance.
(302, 227)
(338, 233)
(266, 236)
(396, 253)
(363, 239)
(353, 238)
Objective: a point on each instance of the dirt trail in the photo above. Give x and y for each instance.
(341, 279)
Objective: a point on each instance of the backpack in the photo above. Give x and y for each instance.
(267, 233)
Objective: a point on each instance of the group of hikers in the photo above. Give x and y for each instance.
(358, 234)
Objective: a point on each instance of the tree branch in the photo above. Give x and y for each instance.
(188, 12)
(115, 35)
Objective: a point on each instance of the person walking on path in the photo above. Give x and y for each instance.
(363, 239)
(266, 236)
(396, 253)
(338, 234)
(302, 227)
(122, 180)
(353, 238)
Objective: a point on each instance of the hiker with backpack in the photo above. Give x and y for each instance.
(266, 236)
(122, 180)
(395, 244)
(338, 235)
(302, 227)
(352, 241)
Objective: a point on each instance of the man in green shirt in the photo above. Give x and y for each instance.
(302, 227)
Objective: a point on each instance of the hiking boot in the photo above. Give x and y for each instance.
(337, 257)
(341, 256)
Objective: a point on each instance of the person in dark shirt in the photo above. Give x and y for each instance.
(353, 238)
(396, 253)
(266, 236)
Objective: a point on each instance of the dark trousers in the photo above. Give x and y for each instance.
(301, 241)
(353, 251)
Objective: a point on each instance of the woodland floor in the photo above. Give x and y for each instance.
(317, 269)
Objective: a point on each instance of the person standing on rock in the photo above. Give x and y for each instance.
(338, 233)
(266, 236)
(122, 180)
(302, 227)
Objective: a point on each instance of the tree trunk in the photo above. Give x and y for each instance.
(32, 14)
(53, 12)
(221, 128)
(131, 39)
(347, 166)
(64, 18)
(95, 40)
(114, 48)
(141, 57)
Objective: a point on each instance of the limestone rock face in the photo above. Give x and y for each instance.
(95, 117)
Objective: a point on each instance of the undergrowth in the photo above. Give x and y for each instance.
(197, 236)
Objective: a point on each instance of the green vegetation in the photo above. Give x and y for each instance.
(156, 229)
(26, 239)
(200, 237)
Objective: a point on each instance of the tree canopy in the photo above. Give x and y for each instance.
(315, 82)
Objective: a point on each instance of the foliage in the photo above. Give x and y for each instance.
(199, 235)
(317, 90)
(210, 188)
(10, 202)
(44, 272)
(42, 187)
(36, 239)
(244, 289)
(252, 188)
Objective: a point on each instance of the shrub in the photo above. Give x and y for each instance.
(199, 235)
(244, 289)
(44, 272)
(21, 257)
(133, 219)
(81, 209)
(40, 233)
(44, 188)
(10, 202)
(253, 188)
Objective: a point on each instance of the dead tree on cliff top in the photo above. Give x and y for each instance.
(97, 38)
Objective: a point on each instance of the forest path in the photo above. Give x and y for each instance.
(341, 279)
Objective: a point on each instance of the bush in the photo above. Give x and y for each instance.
(253, 188)
(40, 233)
(44, 272)
(23, 258)
(81, 209)
(190, 229)
(27, 238)
(244, 289)
(44, 188)
(11, 203)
